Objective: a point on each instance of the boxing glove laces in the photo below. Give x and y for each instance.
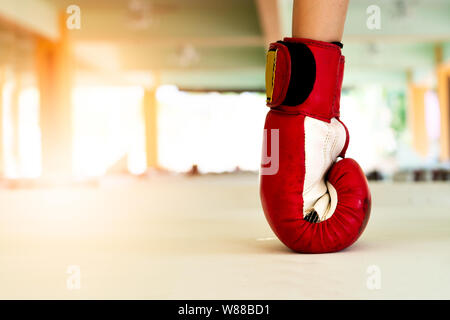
(314, 198)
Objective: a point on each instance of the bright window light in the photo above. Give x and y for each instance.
(108, 130)
(217, 131)
(29, 134)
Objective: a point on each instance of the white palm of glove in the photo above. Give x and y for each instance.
(323, 144)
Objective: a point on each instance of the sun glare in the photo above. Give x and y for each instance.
(108, 130)
(218, 132)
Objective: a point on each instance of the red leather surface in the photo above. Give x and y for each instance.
(347, 140)
(281, 195)
(337, 102)
(323, 101)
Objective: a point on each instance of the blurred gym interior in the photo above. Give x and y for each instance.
(130, 144)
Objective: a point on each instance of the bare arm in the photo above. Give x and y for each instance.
(319, 19)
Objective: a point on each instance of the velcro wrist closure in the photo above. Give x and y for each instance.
(304, 77)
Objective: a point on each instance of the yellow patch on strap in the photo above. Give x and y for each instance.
(271, 65)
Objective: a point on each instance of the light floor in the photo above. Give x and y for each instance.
(206, 238)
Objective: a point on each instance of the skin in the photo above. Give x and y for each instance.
(319, 19)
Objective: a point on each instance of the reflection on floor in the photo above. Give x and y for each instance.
(206, 237)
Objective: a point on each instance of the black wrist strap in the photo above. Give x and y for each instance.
(339, 44)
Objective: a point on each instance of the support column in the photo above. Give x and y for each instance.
(15, 121)
(269, 20)
(416, 115)
(150, 110)
(54, 75)
(2, 85)
(443, 86)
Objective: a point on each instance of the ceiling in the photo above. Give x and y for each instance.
(220, 44)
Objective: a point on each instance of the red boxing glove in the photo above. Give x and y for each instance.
(313, 202)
